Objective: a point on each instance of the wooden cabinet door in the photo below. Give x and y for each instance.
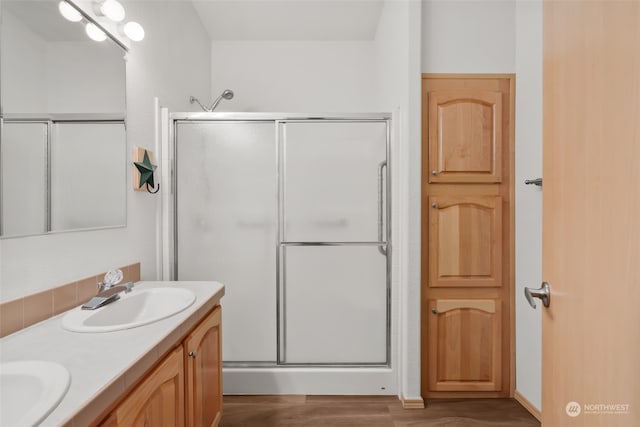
(465, 241)
(465, 345)
(204, 372)
(465, 132)
(159, 400)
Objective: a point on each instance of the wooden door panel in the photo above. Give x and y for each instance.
(465, 136)
(159, 399)
(591, 212)
(159, 407)
(465, 241)
(204, 374)
(465, 345)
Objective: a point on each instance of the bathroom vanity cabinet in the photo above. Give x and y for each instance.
(183, 389)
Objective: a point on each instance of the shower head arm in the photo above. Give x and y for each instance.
(214, 104)
(194, 99)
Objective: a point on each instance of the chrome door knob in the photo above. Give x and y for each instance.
(543, 293)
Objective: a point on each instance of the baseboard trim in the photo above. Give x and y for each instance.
(527, 405)
(412, 403)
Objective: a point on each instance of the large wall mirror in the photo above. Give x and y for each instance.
(62, 129)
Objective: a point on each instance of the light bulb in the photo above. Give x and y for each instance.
(113, 10)
(134, 31)
(69, 12)
(95, 33)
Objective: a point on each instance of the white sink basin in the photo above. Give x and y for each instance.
(30, 390)
(137, 308)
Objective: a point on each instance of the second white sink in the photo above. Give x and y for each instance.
(137, 308)
(30, 390)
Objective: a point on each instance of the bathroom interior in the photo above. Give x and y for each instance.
(284, 144)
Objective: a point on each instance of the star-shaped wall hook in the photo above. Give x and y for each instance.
(146, 169)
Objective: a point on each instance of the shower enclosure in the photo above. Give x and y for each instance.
(292, 214)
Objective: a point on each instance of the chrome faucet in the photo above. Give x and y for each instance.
(107, 296)
(108, 292)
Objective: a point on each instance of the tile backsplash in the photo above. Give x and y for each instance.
(23, 312)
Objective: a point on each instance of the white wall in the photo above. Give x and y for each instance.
(528, 198)
(474, 36)
(301, 76)
(172, 62)
(397, 68)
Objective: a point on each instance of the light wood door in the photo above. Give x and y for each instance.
(204, 372)
(465, 241)
(591, 213)
(465, 342)
(159, 400)
(465, 135)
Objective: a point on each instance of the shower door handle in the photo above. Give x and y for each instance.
(381, 233)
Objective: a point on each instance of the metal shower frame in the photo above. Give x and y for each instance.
(384, 242)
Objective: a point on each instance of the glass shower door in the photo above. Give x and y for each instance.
(333, 240)
(226, 227)
(24, 160)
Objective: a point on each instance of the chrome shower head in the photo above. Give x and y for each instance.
(226, 94)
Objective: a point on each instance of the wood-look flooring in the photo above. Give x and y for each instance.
(370, 411)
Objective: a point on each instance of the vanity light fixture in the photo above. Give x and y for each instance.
(94, 32)
(133, 31)
(111, 9)
(69, 12)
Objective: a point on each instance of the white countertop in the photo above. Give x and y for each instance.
(103, 365)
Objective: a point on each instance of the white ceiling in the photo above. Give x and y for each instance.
(318, 20)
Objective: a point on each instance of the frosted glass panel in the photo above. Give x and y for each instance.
(331, 181)
(335, 304)
(24, 178)
(88, 175)
(227, 227)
